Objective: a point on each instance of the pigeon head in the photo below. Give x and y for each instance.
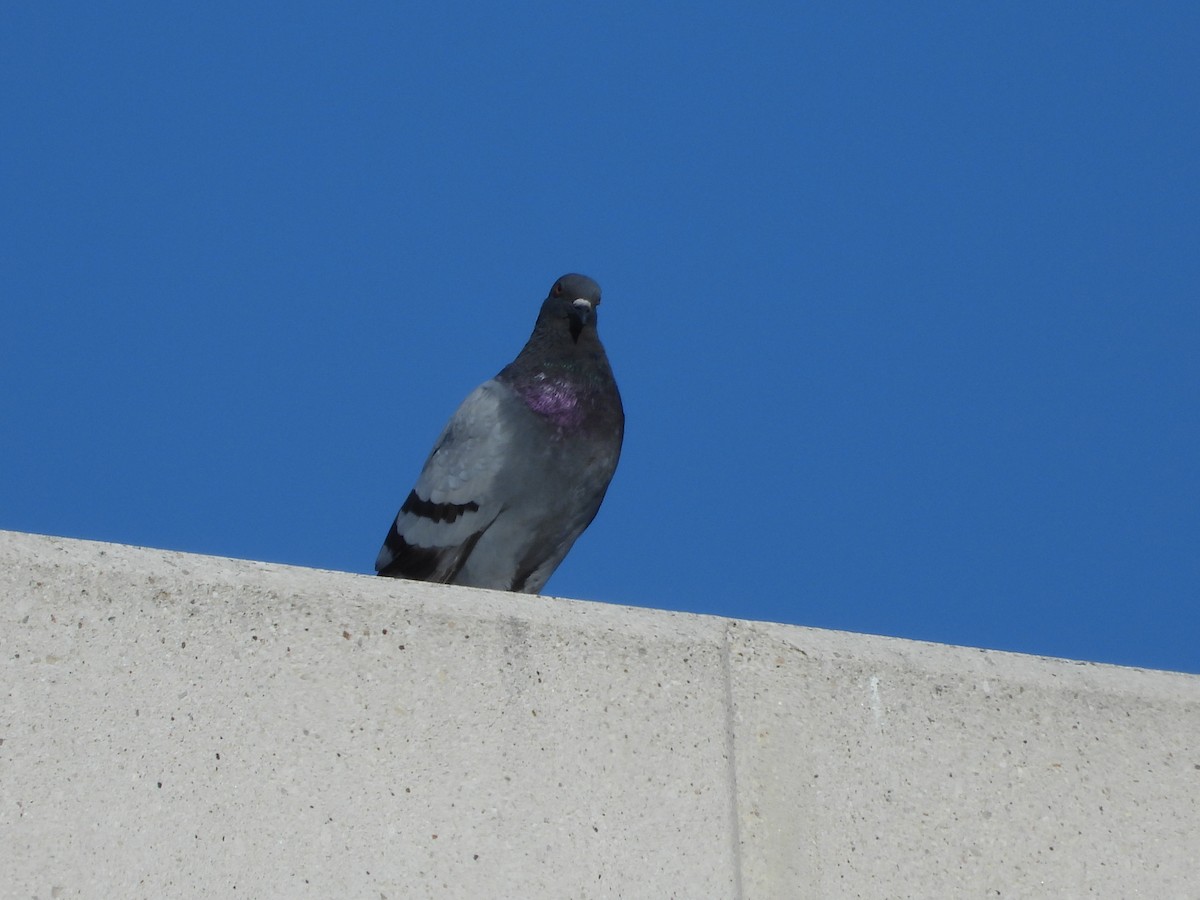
(573, 298)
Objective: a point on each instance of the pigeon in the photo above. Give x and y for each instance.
(521, 468)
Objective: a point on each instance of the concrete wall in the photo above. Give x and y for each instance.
(176, 725)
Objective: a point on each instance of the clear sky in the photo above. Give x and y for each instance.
(903, 299)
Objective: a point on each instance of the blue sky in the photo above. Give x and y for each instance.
(903, 299)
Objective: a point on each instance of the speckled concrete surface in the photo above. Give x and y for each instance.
(177, 725)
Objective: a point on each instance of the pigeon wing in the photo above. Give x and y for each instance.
(455, 499)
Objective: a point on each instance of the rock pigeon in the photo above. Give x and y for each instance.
(521, 468)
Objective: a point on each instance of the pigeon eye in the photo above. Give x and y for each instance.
(558, 289)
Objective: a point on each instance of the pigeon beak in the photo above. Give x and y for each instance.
(582, 314)
(584, 308)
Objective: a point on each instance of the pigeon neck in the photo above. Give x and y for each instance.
(559, 378)
(553, 398)
(553, 345)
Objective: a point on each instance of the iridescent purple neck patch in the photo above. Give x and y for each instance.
(555, 400)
